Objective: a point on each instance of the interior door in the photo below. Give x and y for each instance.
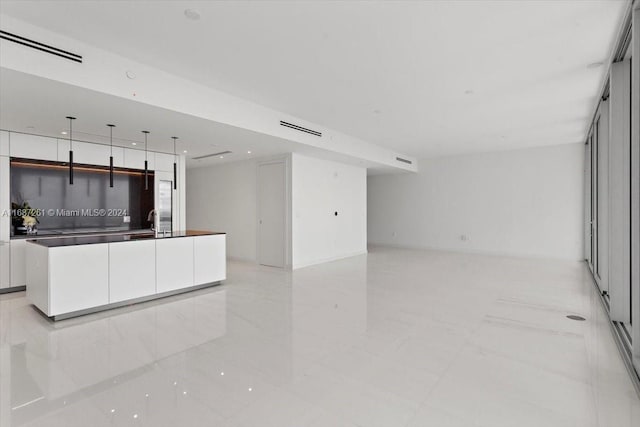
(271, 214)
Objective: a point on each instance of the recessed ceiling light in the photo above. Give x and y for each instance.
(184, 151)
(222, 157)
(249, 152)
(64, 132)
(130, 75)
(595, 65)
(192, 14)
(134, 143)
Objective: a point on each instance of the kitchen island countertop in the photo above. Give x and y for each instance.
(54, 242)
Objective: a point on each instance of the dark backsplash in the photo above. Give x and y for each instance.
(45, 186)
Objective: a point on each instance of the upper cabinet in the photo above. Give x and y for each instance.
(90, 154)
(134, 159)
(5, 200)
(4, 143)
(33, 147)
(164, 162)
(57, 149)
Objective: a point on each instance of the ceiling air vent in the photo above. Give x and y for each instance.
(400, 159)
(40, 46)
(300, 128)
(222, 153)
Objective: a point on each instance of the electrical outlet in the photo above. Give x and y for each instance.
(126, 219)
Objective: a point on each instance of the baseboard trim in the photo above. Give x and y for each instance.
(475, 252)
(125, 303)
(337, 258)
(13, 289)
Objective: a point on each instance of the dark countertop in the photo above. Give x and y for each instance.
(55, 242)
(77, 232)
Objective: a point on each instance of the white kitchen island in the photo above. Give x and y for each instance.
(72, 276)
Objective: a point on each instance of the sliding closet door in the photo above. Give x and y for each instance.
(620, 193)
(587, 202)
(602, 238)
(593, 143)
(635, 187)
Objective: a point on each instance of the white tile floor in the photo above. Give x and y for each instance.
(395, 338)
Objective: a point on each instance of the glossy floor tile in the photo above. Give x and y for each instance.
(394, 338)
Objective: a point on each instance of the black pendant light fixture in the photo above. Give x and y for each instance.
(175, 165)
(111, 156)
(71, 119)
(146, 163)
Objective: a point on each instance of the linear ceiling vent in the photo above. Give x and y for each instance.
(400, 159)
(300, 128)
(40, 46)
(222, 153)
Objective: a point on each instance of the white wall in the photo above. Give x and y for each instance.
(522, 202)
(223, 198)
(319, 189)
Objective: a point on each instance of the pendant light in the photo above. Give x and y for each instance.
(146, 163)
(175, 165)
(71, 119)
(111, 156)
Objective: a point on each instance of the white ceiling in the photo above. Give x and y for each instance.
(425, 78)
(31, 104)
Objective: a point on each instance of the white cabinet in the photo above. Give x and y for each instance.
(90, 154)
(5, 201)
(78, 277)
(132, 270)
(164, 162)
(134, 159)
(33, 147)
(5, 218)
(5, 263)
(174, 263)
(4, 143)
(62, 280)
(209, 259)
(18, 263)
(38, 276)
(118, 157)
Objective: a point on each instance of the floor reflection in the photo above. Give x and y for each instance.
(394, 338)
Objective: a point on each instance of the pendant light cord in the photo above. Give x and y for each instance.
(71, 119)
(146, 164)
(175, 164)
(70, 133)
(111, 137)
